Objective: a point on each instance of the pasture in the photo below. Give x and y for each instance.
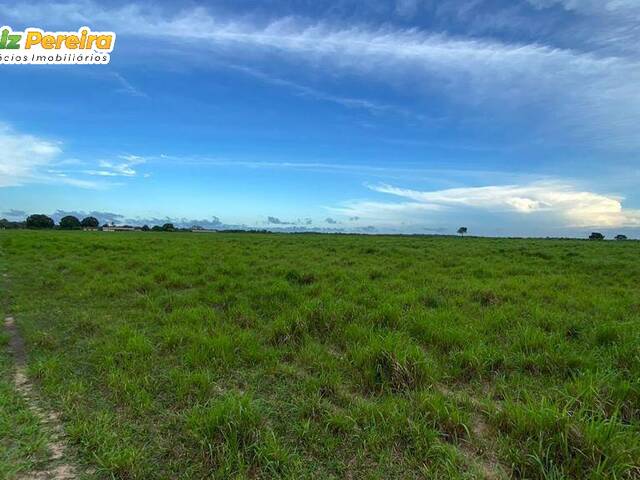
(229, 355)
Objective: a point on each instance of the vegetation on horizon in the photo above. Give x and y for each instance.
(318, 356)
(70, 222)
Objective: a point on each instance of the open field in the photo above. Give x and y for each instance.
(315, 356)
(22, 439)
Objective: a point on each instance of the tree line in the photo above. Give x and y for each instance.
(70, 222)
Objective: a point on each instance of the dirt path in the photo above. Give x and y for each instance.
(58, 467)
(482, 455)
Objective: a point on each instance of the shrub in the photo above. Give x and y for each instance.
(596, 236)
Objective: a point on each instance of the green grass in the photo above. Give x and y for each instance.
(315, 356)
(23, 441)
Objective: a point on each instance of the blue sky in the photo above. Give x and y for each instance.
(411, 116)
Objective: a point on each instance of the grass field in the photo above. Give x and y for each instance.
(315, 356)
(22, 440)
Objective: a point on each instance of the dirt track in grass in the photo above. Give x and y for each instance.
(58, 467)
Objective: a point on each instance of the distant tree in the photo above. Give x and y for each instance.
(90, 222)
(462, 231)
(168, 227)
(156, 228)
(145, 228)
(8, 224)
(69, 222)
(39, 221)
(621, 237)
(596, 236)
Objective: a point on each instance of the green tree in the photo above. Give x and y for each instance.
(39, 220)
(69, 223)
(145, 228)
(621, 237)
(90, 222)
(462, 231)
(596, 236)
(8, 224)
(168, 227)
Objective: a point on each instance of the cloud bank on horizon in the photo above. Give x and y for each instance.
(404, 116)
(569, 206)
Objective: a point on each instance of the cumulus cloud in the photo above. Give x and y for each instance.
(331, 221)
(559, 202)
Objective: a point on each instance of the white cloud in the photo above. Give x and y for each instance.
(557, 202)
(611, 7)
(407, 8)
(122, 168)
(600, 25)
(29, 159)
(386, 214)
(126, 87)
(303, 90)
(25, 158)
(580, 94)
